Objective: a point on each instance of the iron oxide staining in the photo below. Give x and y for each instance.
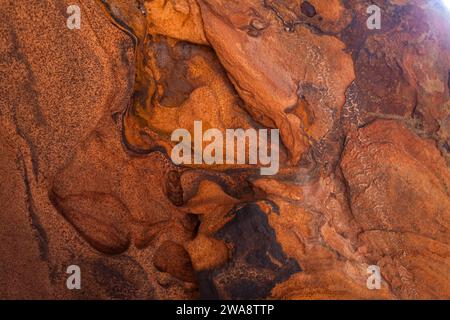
(300, 82)
(100, 218)
(174, 189)
(363, 178)
(172, 258)
(256, 264)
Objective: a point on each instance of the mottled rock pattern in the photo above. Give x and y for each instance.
(256, 260)
(86, 117)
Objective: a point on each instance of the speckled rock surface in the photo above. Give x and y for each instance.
(86, 175)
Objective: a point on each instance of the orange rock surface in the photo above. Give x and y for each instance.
(85, 138)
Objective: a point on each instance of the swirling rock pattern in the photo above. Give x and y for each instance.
(86, 177)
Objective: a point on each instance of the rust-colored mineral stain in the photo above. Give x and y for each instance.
(88, 179)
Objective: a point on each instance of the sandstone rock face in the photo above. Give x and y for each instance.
(296, 79)
(87, 177)
(394, 177)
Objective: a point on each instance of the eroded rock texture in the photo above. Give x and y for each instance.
(86, 175)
